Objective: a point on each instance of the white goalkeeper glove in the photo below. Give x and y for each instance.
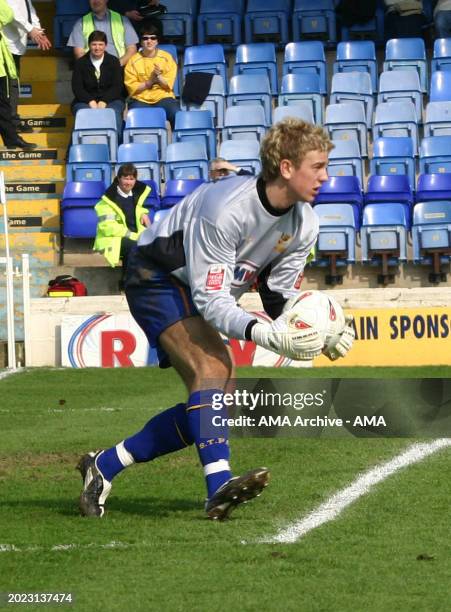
(298, 344)
(340, 344)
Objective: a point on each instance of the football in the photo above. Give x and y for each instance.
(318, 310)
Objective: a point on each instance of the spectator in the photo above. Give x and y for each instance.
(355, 12)
(119, 31)
(220, 167)
(121, 217)
(403, 18)
(150, 75)
(97, 80)
(25, 25)
(8, 72)
(140, 12)
(442, 19)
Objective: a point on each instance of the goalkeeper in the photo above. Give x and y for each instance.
(183, 282)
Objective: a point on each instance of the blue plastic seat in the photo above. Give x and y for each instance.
(177, 23)
(172, 50)
(396, 119)
(440, 86)
(214, 102)
(433, 187)
(390, 188)
(66, 14)
(314, 19)
(186, 160)
(177, 189)
(79, 219)
(152, 202)
(265, 21)
(147, 126)
(299, 110)
(244, 126)
(441, 59)
(302, 87)
(357, 55)
(435, 155)
(347, 121)
(260, 59)
(206, 58)
(96, 126)
(393, 156)
(431, 236)
(142, 155)
(342, 190)
(243, 153)
(401, 85)
(245, 89)
(335, 246)
(306, 57)
(89, 162)
(220, 22)
(196, 126)
(345, 159)
(353, 86)
(437, 120)
(407, 54)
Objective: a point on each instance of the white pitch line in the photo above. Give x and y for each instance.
(7, 373)
(334, 506)
(12, 548)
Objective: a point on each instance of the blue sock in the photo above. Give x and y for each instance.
(164, 433)
(211, 440)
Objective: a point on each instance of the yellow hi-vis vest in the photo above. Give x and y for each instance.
(117, 30)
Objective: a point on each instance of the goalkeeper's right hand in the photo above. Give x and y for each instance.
(298, 344)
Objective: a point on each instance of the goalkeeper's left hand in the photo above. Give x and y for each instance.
(340, 344)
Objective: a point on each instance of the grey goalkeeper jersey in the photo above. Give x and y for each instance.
(225, 236)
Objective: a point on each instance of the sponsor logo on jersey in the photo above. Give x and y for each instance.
(283, 243)
(298, 281)
(245, 273)
(215, 278)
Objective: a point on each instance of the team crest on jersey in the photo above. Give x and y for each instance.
(283, 243)
(215, 278)
(244, 274)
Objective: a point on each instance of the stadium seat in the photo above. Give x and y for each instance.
(243, 153)
(353, 87)
(345, 160)
(407, 54)
(390, 188)
(437, 120)
(260, 59)
(89, 162)
(186, 160)
(441, 59)
(384, 237)
(196, 126)
(206, 58)
(393, 156)
(357, 55)
(306, 57)
(177, 22)
(172, 50)
(299, 110)
(440, 86)
(431, 236)
(142, 155)
(147, 126)
(266, 22)
(66, 14)
(433, 187)
(79, 219)
(347, 121)
(244, 126)
(245, 89)
(96, 126)
(176, 190)
(152, 202)
(401, 85)
(220, 22)
(373, 29)
(214, 102)
(396, 119)
(335, 246)
(305, 88)
(435, 155)
(342, 190)
(314, 19)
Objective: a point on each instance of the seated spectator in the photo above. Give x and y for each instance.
(404, 18)
(442, 19)
(220, 167)
(97, 80)
(150, 75)
(121, 217)
(118, 29)
(355, 12)
(140, 12)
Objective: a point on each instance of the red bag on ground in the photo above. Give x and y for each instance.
(66, 286)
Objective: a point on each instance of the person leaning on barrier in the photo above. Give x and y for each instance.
(220, 167)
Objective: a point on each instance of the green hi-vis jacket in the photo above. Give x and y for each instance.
(7, 65)
(117, 31)
(111, 223)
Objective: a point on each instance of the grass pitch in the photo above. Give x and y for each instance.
(154, 551)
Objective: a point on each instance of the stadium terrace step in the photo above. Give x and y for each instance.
(44, 68)
(32, 92)
(54, 140)
(43, 247)
(34, 190)
(34, 215)
(15, 173)
(45, 110)
(40, 156)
